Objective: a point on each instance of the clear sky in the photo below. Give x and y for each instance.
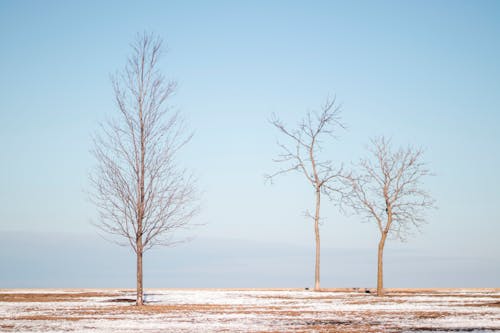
(425, 73)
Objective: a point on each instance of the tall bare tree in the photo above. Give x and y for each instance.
(388, 191)
(302, 155)
(140, 192)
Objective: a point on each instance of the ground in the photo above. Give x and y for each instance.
(250, 310)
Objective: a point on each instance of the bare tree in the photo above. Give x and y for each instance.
(302, 155)
(388, 191)
(140, 192)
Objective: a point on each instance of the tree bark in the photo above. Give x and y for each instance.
(139, 298)
(318, 247)
(140, 210)
(380, 271)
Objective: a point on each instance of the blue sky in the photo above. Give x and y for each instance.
(422, 72)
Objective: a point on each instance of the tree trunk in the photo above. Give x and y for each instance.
(316, 232)
(140, 208)
(380, 270)
(139, 252)
(139, 298)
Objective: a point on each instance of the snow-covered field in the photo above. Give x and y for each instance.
(211, 310)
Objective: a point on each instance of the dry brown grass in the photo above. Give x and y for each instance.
(362, 321)
(47, 317)
(50, 297)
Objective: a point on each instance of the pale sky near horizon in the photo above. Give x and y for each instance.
(425, 73)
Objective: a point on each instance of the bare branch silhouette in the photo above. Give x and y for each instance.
(388, 191)
(302, 155)
(139, 190)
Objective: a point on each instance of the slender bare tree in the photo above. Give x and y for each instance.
(388, 191)
(302, 155)
(140, 192)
